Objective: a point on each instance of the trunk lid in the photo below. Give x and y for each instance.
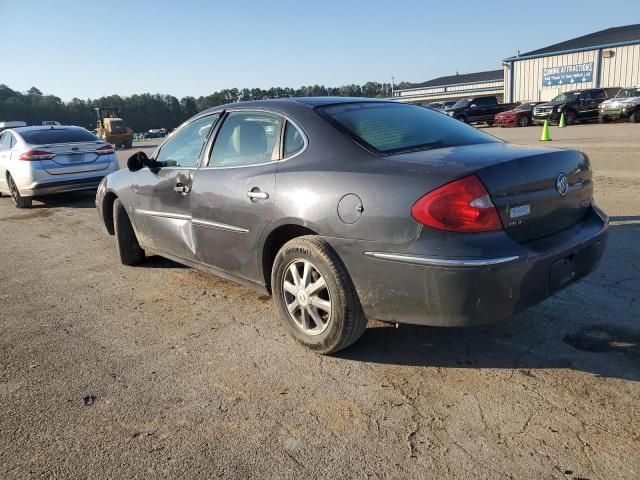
(521, 182)
(75, 158)
(540, 194)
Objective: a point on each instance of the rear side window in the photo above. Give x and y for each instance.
(293, 141)
(5, 141)
(58, 135)
(389, 128)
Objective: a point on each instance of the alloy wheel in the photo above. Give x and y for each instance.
(13, 189)
(306, 297)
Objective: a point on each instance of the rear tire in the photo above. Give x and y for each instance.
(18, 200)
(602, 119)
(635, 117)
(344, 321)
(128, 247)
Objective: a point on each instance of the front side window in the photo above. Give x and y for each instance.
(388, 128)
(293, 140)
(246, 138)
(597, 95)
(184, 147)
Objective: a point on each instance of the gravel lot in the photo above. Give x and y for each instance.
(161, 371)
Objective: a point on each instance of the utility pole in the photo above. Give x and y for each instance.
(392, 85)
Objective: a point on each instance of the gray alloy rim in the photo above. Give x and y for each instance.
(524, 121)
(13, 189)
(306, 297)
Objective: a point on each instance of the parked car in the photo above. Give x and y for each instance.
(478, 230)
(440, 105)
(625, 105)
(11, 124)
(155, 133)
(516, 117)
(577, 106)
(434, 105)
(478, 109)
(36, 161)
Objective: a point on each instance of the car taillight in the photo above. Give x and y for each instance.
(33, 155)
(105, 150)
(460, 206)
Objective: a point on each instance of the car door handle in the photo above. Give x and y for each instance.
(257, 195)
(180, 188)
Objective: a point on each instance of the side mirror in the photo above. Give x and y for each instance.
(137, 161)
(473, 105)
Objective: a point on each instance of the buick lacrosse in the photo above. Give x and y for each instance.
(346, 209)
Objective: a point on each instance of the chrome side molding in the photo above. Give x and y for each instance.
(219, 226)
(441, 262)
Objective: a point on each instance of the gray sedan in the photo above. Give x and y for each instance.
(346, 209)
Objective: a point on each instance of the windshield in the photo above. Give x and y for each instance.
(462, 103)
(525, 106)
(58, 135)
(628, 92)
(567, 97)
(388, 128)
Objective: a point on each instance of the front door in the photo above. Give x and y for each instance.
(234, 191)
(162, 204)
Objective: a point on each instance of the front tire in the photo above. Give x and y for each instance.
(571, 117)
(315, 296)
(128, 247)
(635, 117)
(523, 121)
(18, 200)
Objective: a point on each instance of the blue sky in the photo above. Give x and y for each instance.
(90, 48)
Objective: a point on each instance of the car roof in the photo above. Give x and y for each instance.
(292, 102)
(34, 128)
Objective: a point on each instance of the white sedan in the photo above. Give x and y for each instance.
(44, 160)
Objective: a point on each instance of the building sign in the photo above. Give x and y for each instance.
(568, 74)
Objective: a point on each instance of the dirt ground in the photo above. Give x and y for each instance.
(160, 371)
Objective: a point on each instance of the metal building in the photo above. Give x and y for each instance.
(453, 87)
(609, 58)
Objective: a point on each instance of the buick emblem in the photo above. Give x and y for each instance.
(562, 184)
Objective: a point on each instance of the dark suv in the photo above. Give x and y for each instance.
(478, 109)
(577, 105)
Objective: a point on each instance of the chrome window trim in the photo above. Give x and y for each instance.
(219, 226)
(441, 262)
(284, 116)
(182, 126)
(159, 213)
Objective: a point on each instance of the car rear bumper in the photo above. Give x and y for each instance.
(47, 187)
(463, 291)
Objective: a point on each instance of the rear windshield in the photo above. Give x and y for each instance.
(58, 135)
(388, 128)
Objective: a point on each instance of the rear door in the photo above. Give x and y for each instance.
(588, 105)
(234, 191)
(162, 195)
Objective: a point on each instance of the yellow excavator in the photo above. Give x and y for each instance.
(111, 127)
